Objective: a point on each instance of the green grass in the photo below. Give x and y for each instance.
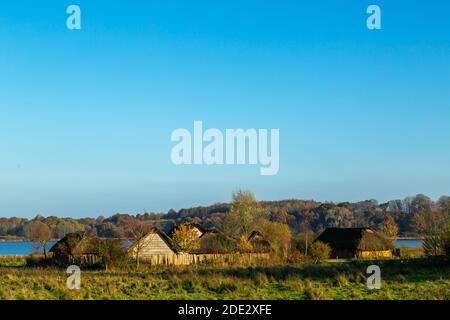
(401, 279)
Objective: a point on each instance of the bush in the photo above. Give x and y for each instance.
(438, 243)
(295, 256)
(319, 251)
(38, 260)
(446, 241)
(112, 253)
(407, 253)
(244, 244)
(217, 243)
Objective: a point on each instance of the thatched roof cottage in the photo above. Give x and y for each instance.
(78, 247)
(356, 242)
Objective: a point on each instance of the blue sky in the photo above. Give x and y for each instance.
(86, 116)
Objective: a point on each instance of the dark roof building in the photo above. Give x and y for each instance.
(76, 247)
(356, 242)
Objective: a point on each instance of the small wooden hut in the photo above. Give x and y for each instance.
(362, 243)
(76, 248)
(154, 243)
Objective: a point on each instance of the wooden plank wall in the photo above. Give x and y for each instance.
(187, 259)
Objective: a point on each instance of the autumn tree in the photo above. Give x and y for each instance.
(444, 204)
(244, 244)
(64, 227)
(40, 234)
(185, 238)
(245, 214)
(432, 225)
(390, 228)
(278, 235)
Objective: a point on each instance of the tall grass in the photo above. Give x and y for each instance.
(401, 279)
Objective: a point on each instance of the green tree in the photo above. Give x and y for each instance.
(112, 253)
(278, 235)
(245, 214)
(319, 251)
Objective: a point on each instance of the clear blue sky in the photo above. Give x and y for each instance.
(86, 116)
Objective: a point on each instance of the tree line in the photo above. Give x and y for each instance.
(412, 216)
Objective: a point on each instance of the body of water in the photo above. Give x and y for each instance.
(20, 248)
(408, 243)
(24, 248)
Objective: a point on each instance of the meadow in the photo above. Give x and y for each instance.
(401, 279)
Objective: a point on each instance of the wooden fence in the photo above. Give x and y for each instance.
(188, 259)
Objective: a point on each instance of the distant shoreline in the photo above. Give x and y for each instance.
(25, 240)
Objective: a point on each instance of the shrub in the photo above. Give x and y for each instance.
(244, 244)
(112, 253)
(217, 243)
(295, 256)
(432, 245)
(319, 251)
(407, 253)
(446, 241)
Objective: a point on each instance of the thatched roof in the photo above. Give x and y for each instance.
(74, 244)
(355, 239)
(214, 241)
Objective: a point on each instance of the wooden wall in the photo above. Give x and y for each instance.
(153, 245)
(187, 259)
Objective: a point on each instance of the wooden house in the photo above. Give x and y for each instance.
(362, 243)
(76, 248)
(155, 243)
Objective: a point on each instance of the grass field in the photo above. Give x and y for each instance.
(401, 279)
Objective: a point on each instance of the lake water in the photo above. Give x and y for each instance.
(408, 243)
(19, 248)
(24, 248)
